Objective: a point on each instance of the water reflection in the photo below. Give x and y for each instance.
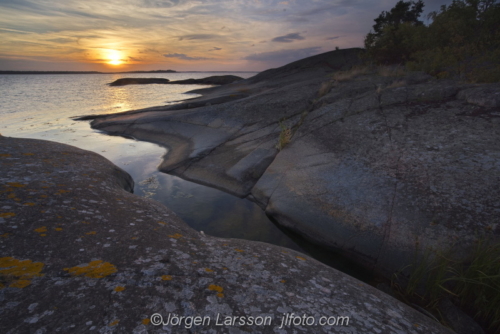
(210, 210)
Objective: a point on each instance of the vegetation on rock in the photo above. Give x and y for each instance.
(473, 284)
(462, 41)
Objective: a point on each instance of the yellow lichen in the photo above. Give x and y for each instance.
(58, 229)
(16, 184)
(29, 154)
(7, 214)
(91, 233)
(94, 269)
(41, 229)
(119, 288)
(166, 277)
(19, 272)
(162, 223)
(22, 283)
(175, 236)
(29, 204)
(5, 235)
(11, 195)
(114, 323)
(239, 250)
(145, 321)
(213, 287)
(208, 270)
(301, 258)
(5, 155)
(282, 281)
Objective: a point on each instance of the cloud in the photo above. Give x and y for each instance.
(134, 58)
(183, 56)
(62, 40)
(288, 38)
(160, 3)
(16, 31)
(332, 38)
(284, 56)
(215, 49)
(197, 36)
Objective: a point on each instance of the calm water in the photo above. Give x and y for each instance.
(41, 107)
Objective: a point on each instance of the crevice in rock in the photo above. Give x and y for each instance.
(388, 226)
(381, 110)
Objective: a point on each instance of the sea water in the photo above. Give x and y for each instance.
(42, 106)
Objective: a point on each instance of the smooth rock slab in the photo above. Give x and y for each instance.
(79, 253)
(381, 168)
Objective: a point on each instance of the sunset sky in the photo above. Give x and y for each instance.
(183, 35)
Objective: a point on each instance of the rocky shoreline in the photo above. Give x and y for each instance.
(81, 253)
(381, 164)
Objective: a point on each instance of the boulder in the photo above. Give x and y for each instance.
(81, 254)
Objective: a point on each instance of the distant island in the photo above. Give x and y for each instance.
(83, 72)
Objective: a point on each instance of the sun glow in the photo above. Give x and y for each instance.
(114, 57)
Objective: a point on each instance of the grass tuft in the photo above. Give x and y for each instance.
(473, 285)
(285, 136)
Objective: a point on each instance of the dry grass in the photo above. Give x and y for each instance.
(285, 137)
(325, 88)
(350, 74)
(396, 84)
(391, 71)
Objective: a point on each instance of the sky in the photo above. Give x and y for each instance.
(182, 35)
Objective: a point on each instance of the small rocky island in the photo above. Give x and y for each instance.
(138, 81)
(212, 80)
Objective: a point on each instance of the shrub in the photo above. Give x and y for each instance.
(462, 41)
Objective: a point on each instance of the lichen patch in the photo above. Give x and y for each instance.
(19, 273)
(94, 269)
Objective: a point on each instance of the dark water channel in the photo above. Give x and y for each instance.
(223, 215)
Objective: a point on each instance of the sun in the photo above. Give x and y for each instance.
(114, 57)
